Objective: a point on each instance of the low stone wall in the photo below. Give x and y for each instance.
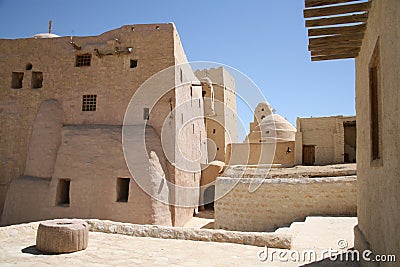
(271, 240)
(281, 201)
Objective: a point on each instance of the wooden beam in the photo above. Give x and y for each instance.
(338, 56)
(316, 3)
(337, 20)
(337, 45)
(333, 51)
(338, 30)
(336, 10)
(336, 38)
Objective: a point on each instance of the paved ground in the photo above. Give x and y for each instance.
(17, 248)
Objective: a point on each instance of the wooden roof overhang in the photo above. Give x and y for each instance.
(335, 27)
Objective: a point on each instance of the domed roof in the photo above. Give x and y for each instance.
(45, 35)
(278, 122)
(276, 127)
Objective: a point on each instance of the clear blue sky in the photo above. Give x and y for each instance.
(265, 39)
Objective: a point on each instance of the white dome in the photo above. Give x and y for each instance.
(45, 35)
(274, 126)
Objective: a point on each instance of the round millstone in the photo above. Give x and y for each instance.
(62, 236)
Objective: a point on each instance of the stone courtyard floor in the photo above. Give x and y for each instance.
(317, 233)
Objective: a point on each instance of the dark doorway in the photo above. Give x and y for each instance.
(308, 155)
(209, 196)
(350, 141)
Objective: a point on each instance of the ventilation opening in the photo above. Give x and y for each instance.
(28, 66)
(63, 190)
(83, 60)
(37, 80)
(16, 80)
(146, 113)
(134, 63)
(123, 189)
(89, 102)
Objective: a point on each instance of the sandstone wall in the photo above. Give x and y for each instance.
(379, 180)
(326, 134)
(260, 153)
(91, 158)
(109, 76)
(279, 202)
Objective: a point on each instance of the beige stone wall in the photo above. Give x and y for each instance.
(260, 153)
(326, 134)
(190, 134)
(90, 152)
(91, 158)
(379, 180)
(279, 202)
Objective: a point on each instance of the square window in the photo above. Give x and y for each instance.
(83, 60)
(37, 80)
(16, 80)
(123, 189)
(63, 191)
(134, 63)
(89, 102)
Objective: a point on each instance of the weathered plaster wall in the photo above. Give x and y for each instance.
(379, 180)
(45, 140)
(91, 158)
(190, 148)
(26, 127)
(279, 202)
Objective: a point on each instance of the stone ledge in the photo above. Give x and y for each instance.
(271, 240)
(292, 181)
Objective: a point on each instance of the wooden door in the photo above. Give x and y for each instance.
(308, 155)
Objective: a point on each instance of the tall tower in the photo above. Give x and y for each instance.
(220, 114)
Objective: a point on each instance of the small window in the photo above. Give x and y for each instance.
(134, 63)
(123, 189)
(204, 93)
(28, 66)
(181, 75)
(83, 60)
(16, 80)
(146, 113)
(217, 148)
(63, 191)
(193, 128)
(213, 131)
(37, 80)
(89, 102)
